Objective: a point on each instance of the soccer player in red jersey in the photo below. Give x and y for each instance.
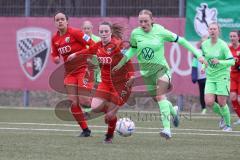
(235, 73)
(66, 41)
(115, 88)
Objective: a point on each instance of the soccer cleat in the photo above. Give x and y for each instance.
(166, 133)
(204, 111)
(237, 122)
(227, 129)
(85, 133)
(175, 119)
(108, 139)
(221, 123)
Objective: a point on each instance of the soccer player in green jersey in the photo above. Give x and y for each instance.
(87, 27)
(147, 43)
(219, 59)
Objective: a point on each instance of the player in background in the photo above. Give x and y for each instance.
(114, 89)
(199, 76)
(66, 41)
(235, 73)
(219, 59)
(147, 43)
(87, 28)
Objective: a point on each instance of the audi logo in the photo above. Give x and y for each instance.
(105, 60)
(64, 50)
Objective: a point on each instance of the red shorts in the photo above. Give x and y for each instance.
(117, 94)
(235, 83)
(81, 78)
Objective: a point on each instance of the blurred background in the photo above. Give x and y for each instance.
(25, 24)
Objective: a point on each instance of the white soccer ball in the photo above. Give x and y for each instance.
(125, 127)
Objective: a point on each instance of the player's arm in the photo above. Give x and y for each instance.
(54, 53)
(229, 61)
(128, 54)
(92, 50)
(83, 38)
(172, 37)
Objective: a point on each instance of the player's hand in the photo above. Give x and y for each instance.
(71, 57)
(130, 82)
(203, 61)
(56, 59)
(202, 71)
(214, 61)
(116, 68)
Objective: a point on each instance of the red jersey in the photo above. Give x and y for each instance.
(72, 41)
(109, 56)
(236, 55)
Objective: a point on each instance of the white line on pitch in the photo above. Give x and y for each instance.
(96, 126)
(101, 131)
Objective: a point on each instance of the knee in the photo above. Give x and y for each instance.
(160, 98)
(222, 102)
(110, 117)
(73, 100)
(209, 102)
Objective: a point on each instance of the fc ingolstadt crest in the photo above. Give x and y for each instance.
(33, 46)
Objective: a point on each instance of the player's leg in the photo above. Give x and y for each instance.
(235, 98)
(201, 84)
(165, 106)
(72, 90)
(210, 96)
(223, 90)
(224, 109)
(100, 98)
(210, 100)
(86, 85)
(111, 120)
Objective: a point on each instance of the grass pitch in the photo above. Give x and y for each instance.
(37, 134)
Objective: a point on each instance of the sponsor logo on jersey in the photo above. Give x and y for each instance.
(105, 60)
(86, 37)
(204, 17)
(110, 48)
(67, 39)
(147, 53)
(65, 49)
(33, 47)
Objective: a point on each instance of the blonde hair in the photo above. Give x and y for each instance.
(215, 23)
(147, 12)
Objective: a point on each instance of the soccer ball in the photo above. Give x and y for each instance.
(125, 127)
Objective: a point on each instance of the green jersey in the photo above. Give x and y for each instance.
(95, 38)
(97, 72)
(219, 50)
(150, 48)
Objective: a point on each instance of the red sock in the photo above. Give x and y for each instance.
(236, 107)
(79, 117)
(112, 125)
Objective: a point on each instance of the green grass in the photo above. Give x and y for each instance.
(32, 134)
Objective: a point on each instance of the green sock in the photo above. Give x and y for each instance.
(87, 109)
(216, 109)
(165, 113)
(226, 115)
(172, 110)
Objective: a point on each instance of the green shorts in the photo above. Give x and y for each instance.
(151, 82)
(218, 88)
